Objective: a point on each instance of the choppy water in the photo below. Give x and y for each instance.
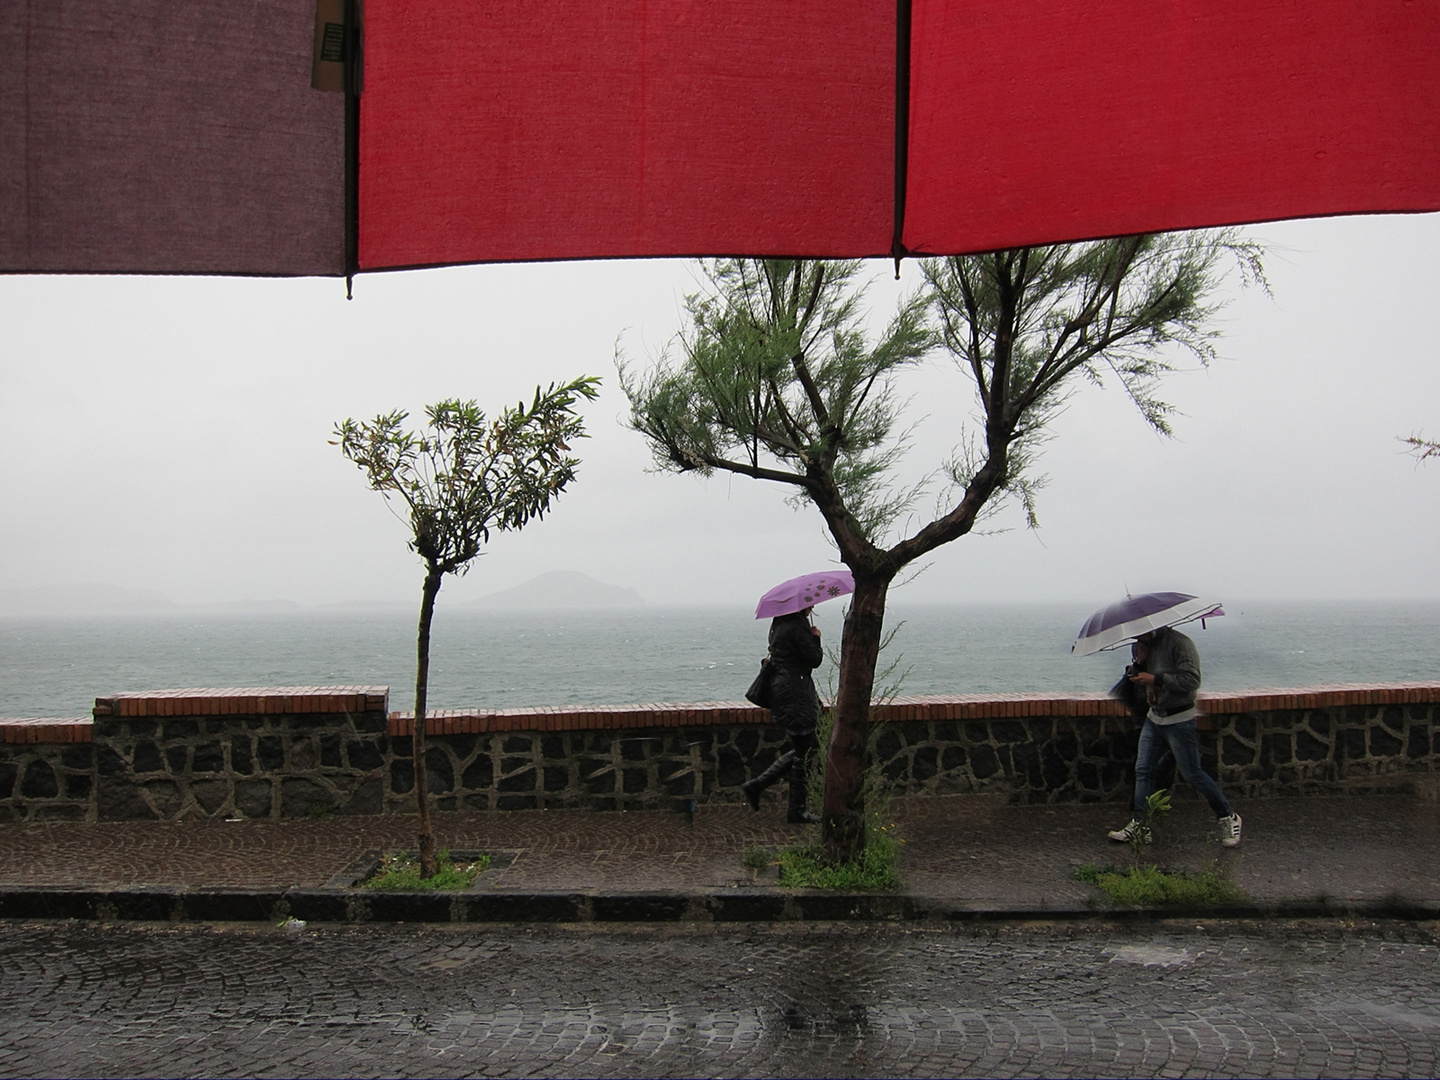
(57, 667)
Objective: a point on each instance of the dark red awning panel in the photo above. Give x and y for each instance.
(150, 136)
(1064, 119)
(156, 136)
(552, 129)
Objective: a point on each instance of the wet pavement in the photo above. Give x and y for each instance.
(962, 854)
(1037, 998)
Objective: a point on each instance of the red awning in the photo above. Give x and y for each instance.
(146, 136)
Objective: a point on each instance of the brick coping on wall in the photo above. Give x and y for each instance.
(271, 700)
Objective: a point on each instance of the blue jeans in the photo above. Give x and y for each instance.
(1182, 741)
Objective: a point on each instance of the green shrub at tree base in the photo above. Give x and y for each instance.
(873, 868)
(1149, 886)
(402, 873)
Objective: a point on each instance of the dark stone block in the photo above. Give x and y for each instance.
(209, 758)
(518, 744)
(80, 757)
(1026, 759)
(303, 754)
(210, 794)
(983, 762)
(402, 747)
(462, 746)
(523, 780)
(440, 773)
(557, 777)
(1041, 730)
(1309, 748)
(237, 905)
(77, 786)
(1235, 753)
(1276, 748)
(1319, 722)
(242, 760)
(680, 786)
(636, 781)
(952, 757)
(371, 722)
(897, 769)
(449, 802)
(299, 797)
(747, 741)
(947, 731)
(165, 795)
(330, 752)
(58, 812)
(120, 800)
(367, 798)
(364, 754)
(1054, 769)
(8, 772)
(704, 741)
(1419, 743)
(147, 758)
(252, 798)
(597, 742)
(479, 774)
(638, 749)
(1009, 731)
(925, 764)
(1245, 726)
(476, 802)
(39, 781)
(977, 731)
(1088, 775)
(639, 908)
(597, 778)
(888, 744)
(516, 802)
(402, 776)
(1393, 717)
(270, 750)
(1384, 744)
(108, 762)
(729, 768)
(1350, 744)
(177, 760)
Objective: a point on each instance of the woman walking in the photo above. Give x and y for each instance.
(795, 652)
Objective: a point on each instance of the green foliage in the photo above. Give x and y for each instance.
(1149, 886)
(401, 873)
(755, 857)
(466, 474)
(1157, 805)
(776, 379)
(874, 867)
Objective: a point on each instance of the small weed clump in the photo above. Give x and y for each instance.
(401, 873)
(804, 867)
(756, 857)
(1149, 886)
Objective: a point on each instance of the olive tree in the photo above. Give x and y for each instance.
(459, 479)
(776, 378)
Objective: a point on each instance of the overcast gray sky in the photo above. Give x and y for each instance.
(171, 434)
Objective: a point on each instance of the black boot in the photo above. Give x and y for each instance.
(753, 788)
(798, 815)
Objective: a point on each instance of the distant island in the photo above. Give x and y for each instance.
(560, 589)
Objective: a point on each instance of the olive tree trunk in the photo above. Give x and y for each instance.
(426, 839)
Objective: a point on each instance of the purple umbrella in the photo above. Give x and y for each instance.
(1136, 615)
(799, 593)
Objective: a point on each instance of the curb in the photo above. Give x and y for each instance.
(353, 906)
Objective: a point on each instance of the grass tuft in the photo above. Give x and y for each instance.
(401, 873)
(1149, 886)
(756, 857)
(804, 867)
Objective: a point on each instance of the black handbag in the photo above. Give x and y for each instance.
(759, 692)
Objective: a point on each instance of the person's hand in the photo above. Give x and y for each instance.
(1143, 678)
(815, 630)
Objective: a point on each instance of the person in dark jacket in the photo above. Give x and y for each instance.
(795, 652)
(1170, 677)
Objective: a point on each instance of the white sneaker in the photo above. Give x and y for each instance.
(1230, 831)
(1125, 835)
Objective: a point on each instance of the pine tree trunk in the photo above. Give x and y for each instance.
(426, 840)
(843, 819)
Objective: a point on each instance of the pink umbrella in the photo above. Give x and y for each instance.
(799, 593)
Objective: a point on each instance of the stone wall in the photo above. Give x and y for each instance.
(294, 752)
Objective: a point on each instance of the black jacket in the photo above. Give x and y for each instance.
(794, 653)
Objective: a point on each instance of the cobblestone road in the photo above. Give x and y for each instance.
(1088, 999)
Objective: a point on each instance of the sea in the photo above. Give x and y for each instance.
(57, 666)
